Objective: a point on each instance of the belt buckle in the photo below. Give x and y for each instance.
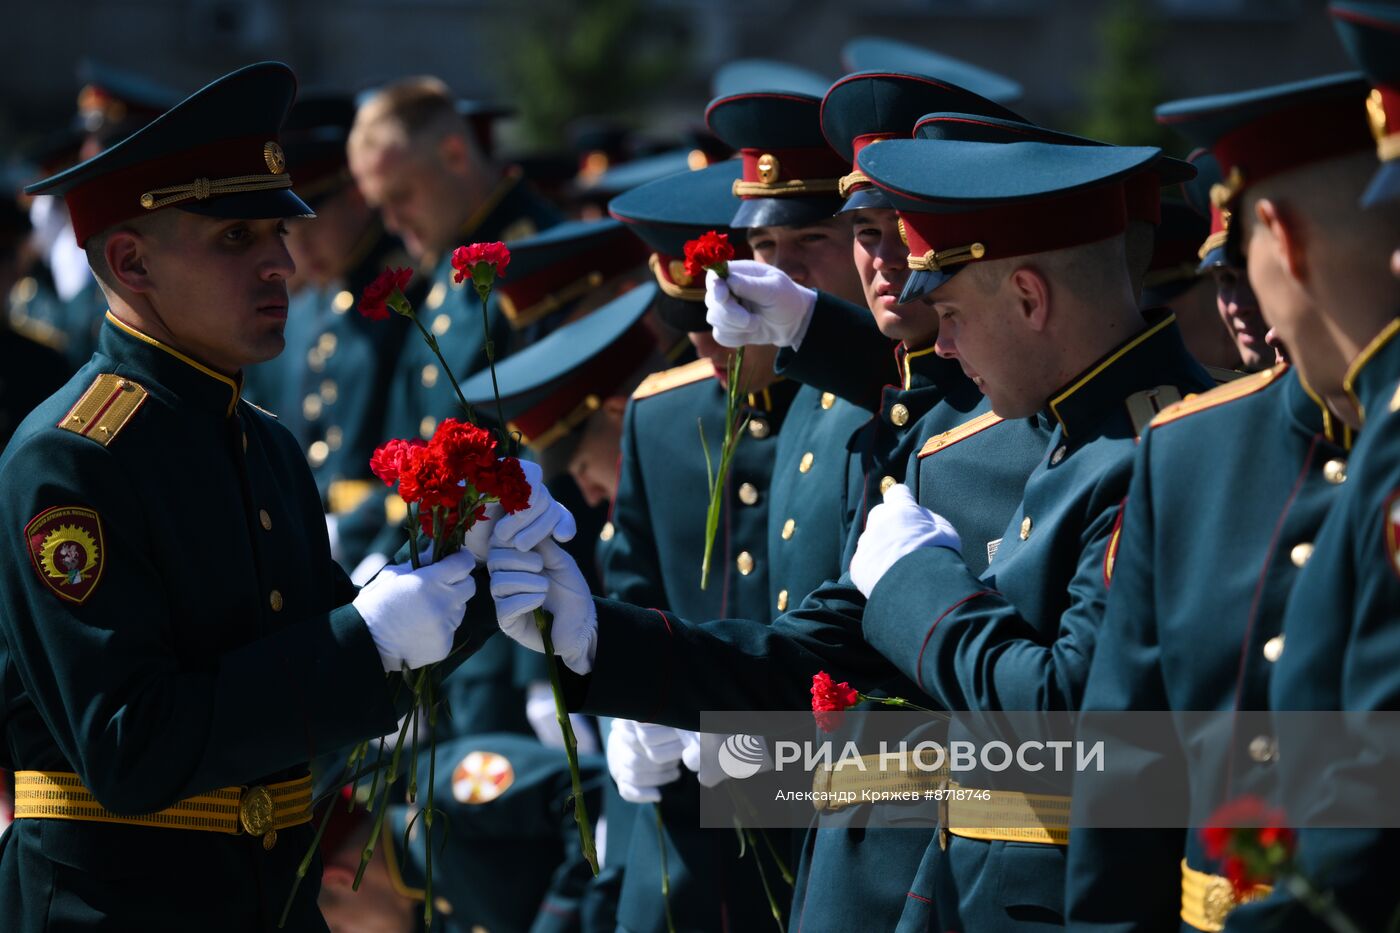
(256, 814)
(1217, 900)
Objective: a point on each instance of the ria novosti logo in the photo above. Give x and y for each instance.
(742, 756)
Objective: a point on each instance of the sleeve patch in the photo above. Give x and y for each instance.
(66, 547)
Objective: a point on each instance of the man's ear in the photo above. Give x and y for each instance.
(1287, 235)
(1031, 292)
(337, 877)
(125, 253)
(614, 407)
(455, 153)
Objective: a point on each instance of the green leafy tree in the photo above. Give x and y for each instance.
(1121, 94)
(573, 58)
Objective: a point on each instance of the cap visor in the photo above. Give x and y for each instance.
(1385, 185)
(922, 283)
(867, 199)
(1212, 260)
(784, 212)
(251, 205)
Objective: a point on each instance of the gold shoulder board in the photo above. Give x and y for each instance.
(105, 408)
(1239, 388)
(669, 379)
(963, 431)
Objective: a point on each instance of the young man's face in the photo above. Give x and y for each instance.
(758, 361)
(594, 461)
(1291, 316)
(979, 327)
(322, 246)
(817, 255)
(882, 261)
(414, 194)
(1239, 309)
(220, 286)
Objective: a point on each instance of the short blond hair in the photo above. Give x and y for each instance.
(407, 114)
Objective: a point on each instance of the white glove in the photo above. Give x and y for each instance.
(639, 777)
(544, 719)
(894, 528)
(543, 518)
(701, 755)
(757, 304)
(478, 536)
(412, 614)
(333, 535)
(523, 581)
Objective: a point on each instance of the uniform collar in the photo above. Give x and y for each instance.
(921, 368)
(1310, 414)
(1372, 377)
(187, 378)
(1151, 357)
(775, 399)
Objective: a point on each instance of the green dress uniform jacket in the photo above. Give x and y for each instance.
(1020, 636)
(170, 622)
(1193, 623)
(1342, 652)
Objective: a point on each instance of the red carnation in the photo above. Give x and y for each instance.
(464, 447)
(830, 700)
(1247, 837)
(505, 482)
(379, 294)
(424, 478)
(387, 460)
(711, 251)
(481, 261)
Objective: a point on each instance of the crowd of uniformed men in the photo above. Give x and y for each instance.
(1032, 422)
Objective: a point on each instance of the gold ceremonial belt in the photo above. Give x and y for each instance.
(1206, 899)
(259, 810)
(836, 787)
(1009, 816)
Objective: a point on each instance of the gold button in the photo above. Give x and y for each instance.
(275, 599)
(782, 600)
(1273, 649)
(315, 360)
(443, 906)
(436, 296)
(1058, 455)
(343, 302)
(265, 519)
(828, 400)
(441, 324)
(748, 494)
(789, 527)
(326, 344)
(311, 407)
(886, 483)
(758, 428)
(318, 451)
(1263, 749)
(899, 415)
(1335, 472)
(1300, 553)
(329, 391)
(427, 426)
(1025, 528)
(334, 437)
(607, 533)
(430, 374)
(806, 463)
(745, 563)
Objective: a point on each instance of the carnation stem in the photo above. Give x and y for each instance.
(733, 431)
(305, 864)
(665, 868)
(447, 370)
(491, 363)
(545, 622)
(1320, 903)
(767, 890)
(368, 852)
(427, 686)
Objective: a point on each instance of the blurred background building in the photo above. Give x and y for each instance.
(1097, 66)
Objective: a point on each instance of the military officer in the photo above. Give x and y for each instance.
(416, 162)
(1024, 644)
(177, 640)
(1174, 280)
(1167, 642)
(1351, 582)
(505, 850)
